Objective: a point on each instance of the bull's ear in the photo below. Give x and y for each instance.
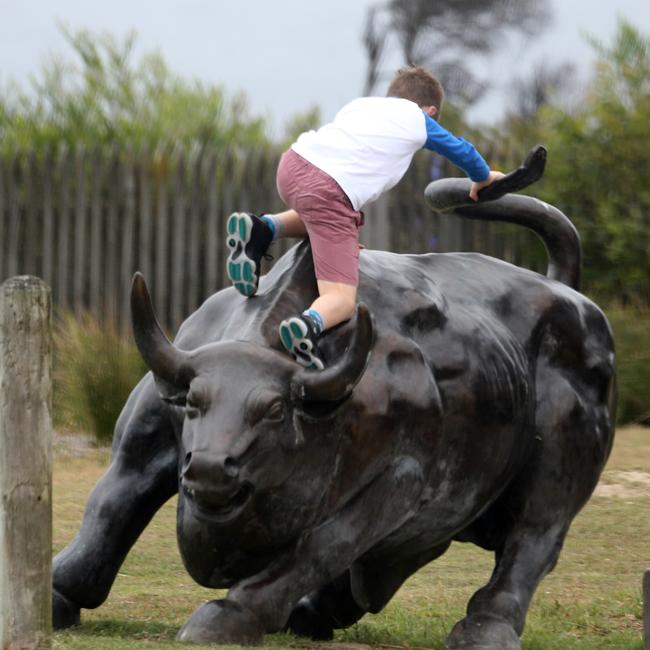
(410, 382)
(401, 389)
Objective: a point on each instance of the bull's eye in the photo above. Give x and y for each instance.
(192, 409)
(275, 412)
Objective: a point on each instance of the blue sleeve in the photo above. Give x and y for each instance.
(462, 153)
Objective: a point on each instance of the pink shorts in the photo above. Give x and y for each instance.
(331, 222)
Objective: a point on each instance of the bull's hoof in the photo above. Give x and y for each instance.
(64, 612)
(306, 621)
(224, 622)
(483, 632)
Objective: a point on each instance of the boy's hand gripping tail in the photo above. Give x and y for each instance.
(530, 172)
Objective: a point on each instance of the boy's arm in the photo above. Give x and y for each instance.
(462, 153)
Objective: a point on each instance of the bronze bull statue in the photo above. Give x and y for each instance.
(476, 405)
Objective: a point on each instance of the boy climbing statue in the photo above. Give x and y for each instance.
(326, 178)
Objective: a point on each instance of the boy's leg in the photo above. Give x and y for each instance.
(290, 223)
(335, 303)
(299, 334)
(248, 237)
(321, 210)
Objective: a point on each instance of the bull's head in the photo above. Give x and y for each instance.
(257, 441)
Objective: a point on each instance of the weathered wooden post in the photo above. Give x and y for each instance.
(25, 465)
(646, 610)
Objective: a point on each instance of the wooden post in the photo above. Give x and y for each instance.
(161, 266)
(646, 610)
(194, 223)
(97, 230)
(64, 219)
(127, 226)
(144, 213)
(113, 225)
(214, 256)
(25, 465)
(80, 273)
(178, 244)
(3, 202)
(47, 216)
(13, 232)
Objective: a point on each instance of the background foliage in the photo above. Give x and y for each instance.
(598, 169)
(632, 335)
(95, 369)
(104, 96)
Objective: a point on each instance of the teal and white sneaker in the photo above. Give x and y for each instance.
(298, 336)
(248, 237)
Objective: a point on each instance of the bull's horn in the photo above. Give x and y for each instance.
(165, 360)
(336, 382)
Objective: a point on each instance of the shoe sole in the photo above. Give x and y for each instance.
(239, 267)
(295, 339)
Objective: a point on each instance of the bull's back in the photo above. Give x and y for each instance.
(421, 296)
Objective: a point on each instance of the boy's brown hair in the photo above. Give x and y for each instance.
(418, 85)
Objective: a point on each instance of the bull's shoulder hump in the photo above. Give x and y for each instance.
(223, 315)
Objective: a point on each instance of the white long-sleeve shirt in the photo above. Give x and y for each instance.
(371, 142)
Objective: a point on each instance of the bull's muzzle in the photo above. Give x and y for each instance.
(211, 483)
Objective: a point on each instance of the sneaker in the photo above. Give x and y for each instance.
(248, 239)
(298, 335)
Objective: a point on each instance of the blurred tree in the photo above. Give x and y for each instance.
(544, 86)
(600, 165)
(547, 85)
(374, 42)
(107, 97)
(301, 122)
(440, 35)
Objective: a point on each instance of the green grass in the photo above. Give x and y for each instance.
(592, 600)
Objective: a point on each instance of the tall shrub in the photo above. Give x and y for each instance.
(599, 166)
(95, 369)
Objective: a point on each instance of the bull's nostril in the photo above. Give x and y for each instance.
(186, 462)
(231, 467)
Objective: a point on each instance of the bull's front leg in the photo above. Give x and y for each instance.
(264, 602)
(142, 476)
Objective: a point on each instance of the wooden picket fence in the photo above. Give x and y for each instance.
(85, 220)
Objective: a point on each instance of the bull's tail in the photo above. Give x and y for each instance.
(553, 227)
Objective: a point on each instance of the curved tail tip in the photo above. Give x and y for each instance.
(531, 170)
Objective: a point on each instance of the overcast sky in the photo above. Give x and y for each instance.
(287, 55)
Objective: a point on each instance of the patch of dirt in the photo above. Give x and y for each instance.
(631, 484)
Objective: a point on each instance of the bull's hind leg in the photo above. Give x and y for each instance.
(527, 526)
(141, 477)
(497, 612)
